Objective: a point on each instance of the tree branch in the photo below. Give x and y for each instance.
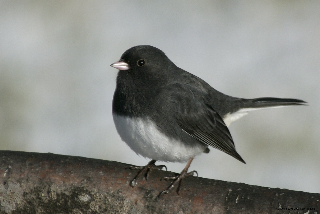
(50, 183)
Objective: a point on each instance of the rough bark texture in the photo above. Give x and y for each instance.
(50, 183)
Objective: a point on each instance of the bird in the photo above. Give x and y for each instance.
(165, 113)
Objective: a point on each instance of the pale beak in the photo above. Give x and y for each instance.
(120, 65)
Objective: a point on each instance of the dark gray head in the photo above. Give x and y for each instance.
(143, 59)
(143, 71)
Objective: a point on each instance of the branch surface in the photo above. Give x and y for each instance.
(51, 183)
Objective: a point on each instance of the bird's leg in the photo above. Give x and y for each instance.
(177, 179)
(151, 165)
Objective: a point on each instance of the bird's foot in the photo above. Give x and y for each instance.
(177, 181)
(146, 169)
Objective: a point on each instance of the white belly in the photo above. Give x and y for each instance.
(143, 137)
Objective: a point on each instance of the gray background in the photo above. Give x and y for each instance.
(56, 85)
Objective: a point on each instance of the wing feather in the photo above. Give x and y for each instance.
(199, 120)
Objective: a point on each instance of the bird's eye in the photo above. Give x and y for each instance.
(141, 62)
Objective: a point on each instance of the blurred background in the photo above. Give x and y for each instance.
(56, 85)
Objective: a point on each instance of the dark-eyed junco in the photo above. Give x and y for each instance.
(165, 113)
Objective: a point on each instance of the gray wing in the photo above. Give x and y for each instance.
(199, 120)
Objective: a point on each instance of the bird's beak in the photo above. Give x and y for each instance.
(120, 65)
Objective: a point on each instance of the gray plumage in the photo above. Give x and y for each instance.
(184, 107)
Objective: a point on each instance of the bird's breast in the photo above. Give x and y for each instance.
(143, 137)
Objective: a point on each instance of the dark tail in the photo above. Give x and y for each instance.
(265, 102)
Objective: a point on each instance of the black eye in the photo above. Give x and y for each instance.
(141, 62)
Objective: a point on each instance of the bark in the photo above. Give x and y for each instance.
(50, 183)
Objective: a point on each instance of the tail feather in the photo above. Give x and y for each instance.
(259, 103)
(265, 102)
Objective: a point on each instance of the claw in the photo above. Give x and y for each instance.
(133, 183)
(151, 165)
(147, 173)
(134, 167)
(178, 179)
(163, 192)
(162, 166)
(169, 178)
(192, 173)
